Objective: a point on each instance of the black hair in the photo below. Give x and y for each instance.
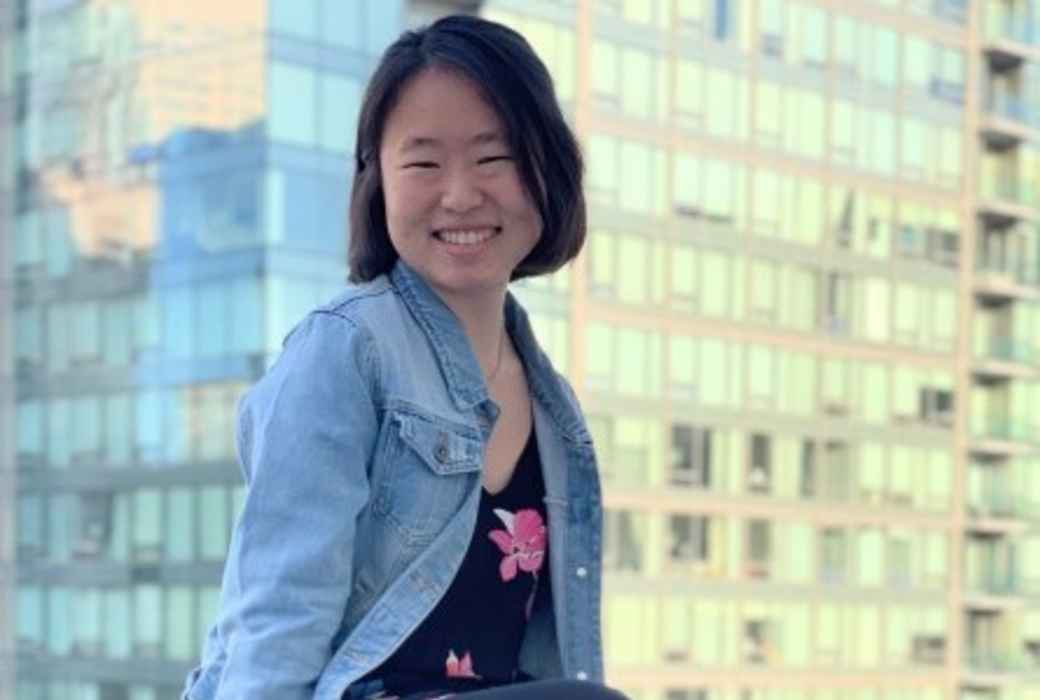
(517, 85)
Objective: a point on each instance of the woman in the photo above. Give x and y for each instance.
(423, 511)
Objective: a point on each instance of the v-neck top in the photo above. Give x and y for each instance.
(472, 638)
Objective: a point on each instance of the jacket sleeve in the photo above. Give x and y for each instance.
(306, 433)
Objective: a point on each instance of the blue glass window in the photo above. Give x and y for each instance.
(340, 103)
(292, 103)
(296, 17)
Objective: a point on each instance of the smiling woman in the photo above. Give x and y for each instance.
(423, 510)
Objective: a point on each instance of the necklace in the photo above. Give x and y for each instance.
(498, 362)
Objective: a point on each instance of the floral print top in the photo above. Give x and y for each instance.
(472, 638)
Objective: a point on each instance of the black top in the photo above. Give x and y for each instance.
(472, 638)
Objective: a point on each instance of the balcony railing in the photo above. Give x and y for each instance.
(1009, 349)
(1000, 584)
(996, 662)
(1022, 271)
(998, 501)
(1008, 430)
(1014, 107)
(1010, 190)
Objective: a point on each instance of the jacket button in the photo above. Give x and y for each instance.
(441, 453)
(581, 676)
(582, 572)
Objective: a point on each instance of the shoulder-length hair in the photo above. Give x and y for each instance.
(518, 86)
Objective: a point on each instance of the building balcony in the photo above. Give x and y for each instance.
(1009, 201)
(1003, 280)
(1010, 39)
(985, 669)
(997, 511)
(1008, 120)
(1008, 358)
(1004, 438)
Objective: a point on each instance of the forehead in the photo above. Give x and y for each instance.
(441, 106)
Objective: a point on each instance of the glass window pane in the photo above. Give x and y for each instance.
(214, 523)
(340, 104)
(180, 525)
(291, 103)
(295, 17)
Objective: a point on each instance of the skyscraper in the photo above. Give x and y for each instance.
(177, 188)
(804, 331)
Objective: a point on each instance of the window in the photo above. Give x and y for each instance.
(689, 539)
(936, 406)
(884, 48)
(95, 526)
(813, 39)
(807, 469)
(214, 522)
(147, 533)
(844, 132)
(691, 456)
(846, 45)
(30, 528)
(759, 548)
(768, 118)
(624, 538)
(756, 642)
(837, 303)
(340, 100)
(603, 172)
(295, 18)
(605, 88)
(684, 262)
(836, 472)
(833, 556)
(764, 293)
(727, 117)
(689, 100)
(771, 27)
(638, 82)
(760, 470)
(761, 376)
(292, 103)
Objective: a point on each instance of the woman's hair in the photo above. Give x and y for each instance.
(517, 85)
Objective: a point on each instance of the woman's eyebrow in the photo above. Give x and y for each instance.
(413, 143)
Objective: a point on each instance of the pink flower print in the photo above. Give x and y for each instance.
(522, 542)
(454, 667)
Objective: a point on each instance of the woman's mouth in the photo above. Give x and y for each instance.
(466, 237)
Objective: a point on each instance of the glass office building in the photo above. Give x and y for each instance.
(174, 184)
(805, 328)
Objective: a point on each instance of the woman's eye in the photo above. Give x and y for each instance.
(421, 164)
(492, 159)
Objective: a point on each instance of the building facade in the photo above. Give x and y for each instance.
(177, 179)
(805, 326)
(804, 331)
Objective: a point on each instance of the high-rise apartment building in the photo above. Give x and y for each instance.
(804, 332)
(805, 328)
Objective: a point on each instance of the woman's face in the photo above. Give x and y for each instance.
(457, 211)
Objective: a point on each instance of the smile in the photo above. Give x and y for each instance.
(471, 237)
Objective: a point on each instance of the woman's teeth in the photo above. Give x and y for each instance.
(466, 237)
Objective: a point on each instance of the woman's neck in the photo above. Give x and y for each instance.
(483, 321)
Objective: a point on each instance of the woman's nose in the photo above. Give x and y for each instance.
(461, 193)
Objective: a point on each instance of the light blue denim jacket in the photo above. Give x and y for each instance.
(362, 448)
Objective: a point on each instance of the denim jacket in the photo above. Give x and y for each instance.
(362, 448)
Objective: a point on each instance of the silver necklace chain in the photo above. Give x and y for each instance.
(498, 362)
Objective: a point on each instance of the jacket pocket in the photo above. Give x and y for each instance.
(431, 464)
